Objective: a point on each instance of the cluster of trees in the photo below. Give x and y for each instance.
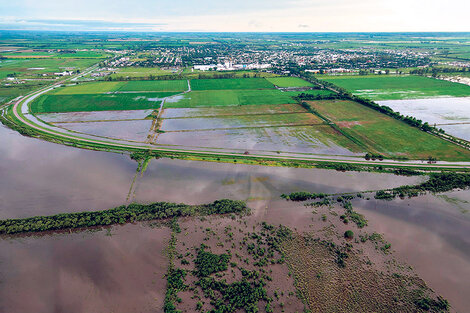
(438, 182)
(238, 295)
(373, 156)
(119, 215)
(208, 262)
(175, 283)
(434, 71)
(303, 196)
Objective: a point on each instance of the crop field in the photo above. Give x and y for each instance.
(322, 92)
(230, 97)
(97, 102)
(229, 84)
(383, 87)
(178, 124)
(131, 86)
(233, 110)
(383, 134)
(154, 85)
(38, 66)
(140, 72)
(289, 82)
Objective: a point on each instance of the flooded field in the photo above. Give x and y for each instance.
(121, 269)
(177, 124)
(450, 114)
(301, 139)
(127, 130)
(93, 116)
(233, 110)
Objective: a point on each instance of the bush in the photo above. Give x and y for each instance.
(349, 234)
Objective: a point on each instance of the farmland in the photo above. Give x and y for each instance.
(98, 102)
(289, 82)
(383, 134)
(243, 113)
(383, 87)
(230, 84)
(230, 98)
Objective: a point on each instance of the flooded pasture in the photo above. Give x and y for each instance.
(450, 114)
(297, 139)
(126, 130)
(93, 116)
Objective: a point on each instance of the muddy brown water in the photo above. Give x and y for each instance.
(95, 272)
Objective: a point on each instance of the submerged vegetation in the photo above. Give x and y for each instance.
(437, 182)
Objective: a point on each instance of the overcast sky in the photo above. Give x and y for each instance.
(239, 15)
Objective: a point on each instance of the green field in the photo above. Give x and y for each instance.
(382, 134)
(137, 86)
(323, 92)
(289, 82)
(155, 85)
(36, 67)
(88, 88)
(230, 97)
(226, 84)
(140, 72)
(51, 103)
(383, 87)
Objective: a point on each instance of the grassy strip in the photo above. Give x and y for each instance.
(119, 215)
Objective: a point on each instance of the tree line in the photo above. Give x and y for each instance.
(119, 215)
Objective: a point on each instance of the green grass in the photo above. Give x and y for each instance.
(230, 97)
(383, 87)
(22, 67)
(289, 82)
(50, 103)
(140, 72)
(322, 92)
(382, 134)
(89, 88)
(155, 85)
(235, 83)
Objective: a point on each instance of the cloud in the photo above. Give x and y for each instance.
(73, 25)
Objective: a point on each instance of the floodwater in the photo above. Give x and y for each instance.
(429, 233)
(126, 130)
(296, 139)
(450, 114)
(122, 270)
(177, 124)
(93, 116)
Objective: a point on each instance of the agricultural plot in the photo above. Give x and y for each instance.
(318, 139)
(382, 134)
(141, 72)
(232, 110)
(383, 87)
(94, 116)
(126, 130)
(229, 84)
(241, 121)
(285, 82)
(229, 98)
(33, 67)
(97, 102)
(316, 92)
(154, 85)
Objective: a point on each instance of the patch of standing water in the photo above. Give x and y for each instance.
(450, 114)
